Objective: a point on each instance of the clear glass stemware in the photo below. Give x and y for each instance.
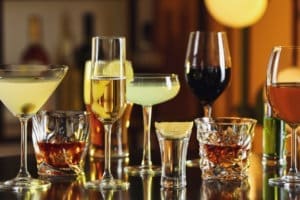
(23, 90)
(207, 69)
(148, 90)
(283, 92)
(108, 98)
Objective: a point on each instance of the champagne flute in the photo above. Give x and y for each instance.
(148, 90)
(207, 69)
(283, 94)
(108, 98)
(23, 90)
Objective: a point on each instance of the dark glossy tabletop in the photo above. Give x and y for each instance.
(255, 187)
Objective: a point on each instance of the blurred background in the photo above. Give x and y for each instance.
(60, 31)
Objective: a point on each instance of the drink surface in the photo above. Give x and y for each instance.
(151, 93)
(26, 95)
(60, 155)
(284, 99)
(208, 82)
(108, 98)
(174, 130)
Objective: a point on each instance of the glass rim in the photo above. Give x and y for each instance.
(154, 75)
(209, 32)
(33, 67)
(226, 120)
(113, 37)
(287, 46)
(67, 113)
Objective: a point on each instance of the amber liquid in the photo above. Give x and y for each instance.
(60, 155)
(284, 99)
(221, 154)
(108, 98)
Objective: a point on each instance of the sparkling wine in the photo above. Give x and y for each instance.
(208, 82)
(285, 98)
(107, 101)
(60, 155)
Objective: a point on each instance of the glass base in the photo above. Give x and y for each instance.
(24, 183)
(114, 184)
(285, 181)
(193, 163)
(143, 170)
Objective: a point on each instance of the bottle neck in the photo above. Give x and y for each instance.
(35, 30)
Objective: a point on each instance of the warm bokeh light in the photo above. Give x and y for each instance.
(236, 13)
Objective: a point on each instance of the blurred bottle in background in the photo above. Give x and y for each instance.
(35, 52)
(69, 92)
(83, 51)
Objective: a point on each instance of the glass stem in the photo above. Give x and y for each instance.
(147, 112)
(207, 110)
(147, 186)
(23, 172)
(107, 175)
(293, 169)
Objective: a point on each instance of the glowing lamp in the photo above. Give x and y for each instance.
(236, 13)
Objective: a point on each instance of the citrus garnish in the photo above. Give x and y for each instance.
(113, 69)
(99, 110)
(174, 129)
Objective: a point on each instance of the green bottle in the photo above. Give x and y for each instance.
(274, 139)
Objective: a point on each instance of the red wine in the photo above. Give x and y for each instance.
(284, 99)
(208, 82)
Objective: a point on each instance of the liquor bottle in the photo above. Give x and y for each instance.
(35, 53)
(274, 139)
(68, 93)
(83, 52)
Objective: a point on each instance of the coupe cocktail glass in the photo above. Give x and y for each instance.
(148, 90)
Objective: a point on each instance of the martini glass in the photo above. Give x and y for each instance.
(23, 90)
(148, 90)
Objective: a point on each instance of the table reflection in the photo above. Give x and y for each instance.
(211, 190)
(148, 187)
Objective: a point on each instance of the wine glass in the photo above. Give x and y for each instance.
(207, 69)
(108, 98)
(23, 90)
(148, 90)
(283, 93)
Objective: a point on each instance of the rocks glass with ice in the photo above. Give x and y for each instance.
(224, 147)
